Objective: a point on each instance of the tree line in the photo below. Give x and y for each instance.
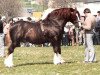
(14, 8)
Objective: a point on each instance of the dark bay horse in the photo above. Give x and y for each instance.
(48, 30)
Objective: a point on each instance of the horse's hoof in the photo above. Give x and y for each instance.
(57, 63)
(61, 62)
(8, 64)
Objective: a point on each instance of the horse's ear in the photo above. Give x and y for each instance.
(72, 10)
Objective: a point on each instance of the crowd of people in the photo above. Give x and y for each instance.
(87, 34)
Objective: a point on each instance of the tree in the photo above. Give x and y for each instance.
(59, 3)
(11, 8)
(63, 3)
(43, 3)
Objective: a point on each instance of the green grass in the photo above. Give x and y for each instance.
(39, 61)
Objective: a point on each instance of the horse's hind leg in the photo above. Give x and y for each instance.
(9, 58)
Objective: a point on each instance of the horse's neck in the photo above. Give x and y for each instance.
(61, 23)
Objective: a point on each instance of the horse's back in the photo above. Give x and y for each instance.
(26, 31)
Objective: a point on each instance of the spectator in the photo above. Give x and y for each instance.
(98, 16)
(81, 33)
(97, 29)
(29, 19)
(88, 26)
(11, 21)
(77, 35)
(6, 31)
(1, 39)
(72, 35)
(65, 36)
(69, 33)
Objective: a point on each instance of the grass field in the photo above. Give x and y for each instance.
(39, 61)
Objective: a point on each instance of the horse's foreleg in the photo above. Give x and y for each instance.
(9, 58)
(58, 59)
(57, 56)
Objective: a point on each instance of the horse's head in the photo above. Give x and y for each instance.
(74, 17)
(63, 15)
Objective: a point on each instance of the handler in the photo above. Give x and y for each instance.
(88, 26)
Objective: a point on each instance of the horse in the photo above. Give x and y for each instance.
(50, 29)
